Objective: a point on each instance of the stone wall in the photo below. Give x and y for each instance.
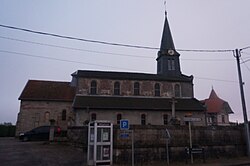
(38, 113)
(106, 87)
(134, 116)
(150, 141)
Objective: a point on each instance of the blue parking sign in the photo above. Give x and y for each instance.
(124, 125)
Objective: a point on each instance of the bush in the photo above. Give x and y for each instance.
(7, 130)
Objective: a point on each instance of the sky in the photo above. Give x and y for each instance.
(195, 24)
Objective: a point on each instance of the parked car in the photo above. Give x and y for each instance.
(39, 134)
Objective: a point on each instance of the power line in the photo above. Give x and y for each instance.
(91, 64)
(244, 62)
(102, 52)
(79, 39)
(107, 43)
(205, 60)
(244, 48)
(72, 48)
(205, 50)
(213, 79)
(62, 60)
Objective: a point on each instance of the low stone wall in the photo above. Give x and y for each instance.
(150, 141)
(78, 136)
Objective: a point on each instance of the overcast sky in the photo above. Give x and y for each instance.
(195, 24)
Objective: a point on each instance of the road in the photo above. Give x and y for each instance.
(16, 153)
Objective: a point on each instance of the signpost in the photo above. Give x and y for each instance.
(167, 142)
(124, 126)
(189, 120)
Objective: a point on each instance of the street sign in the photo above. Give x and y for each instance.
(124, 125)
(191, 119)
(124, 135)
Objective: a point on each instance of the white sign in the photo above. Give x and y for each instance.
(105, 136)
(191, 119)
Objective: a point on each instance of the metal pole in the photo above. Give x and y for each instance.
(133, 152)
(190, 141)
(243, 102)
(167, 151)
(173, 107)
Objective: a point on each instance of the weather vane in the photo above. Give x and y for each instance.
(165, 4)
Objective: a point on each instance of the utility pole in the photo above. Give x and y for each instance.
(246, 125)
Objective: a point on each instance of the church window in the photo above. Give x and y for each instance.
(118, 118)
(159, 66)
(223, 119)
(47, 116)
(171, 64)
(93, 116)
(64, 113)
(93, 87)
(157, 89)
(136, 88)
(165, 119)
(143, 119)
(117, 88)
(177, 90)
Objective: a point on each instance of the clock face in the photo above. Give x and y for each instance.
(171, 52)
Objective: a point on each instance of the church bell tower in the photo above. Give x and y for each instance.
(168, 63)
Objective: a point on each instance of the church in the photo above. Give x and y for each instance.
(164, 98)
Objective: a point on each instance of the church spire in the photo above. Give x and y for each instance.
(167, 42)
(168, 58)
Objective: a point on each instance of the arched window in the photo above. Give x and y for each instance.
(171, 64)
(118, 118)
(177, 90)
(165, 119)
(143, 119)
(46, 116)
(93, 88)
(157, 89)
(64, 115)
(93, 117)
(117, 88)
(136, 88)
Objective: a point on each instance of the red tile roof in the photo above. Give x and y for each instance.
(214, 104)
(47, 90)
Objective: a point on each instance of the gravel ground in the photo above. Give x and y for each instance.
(16, 153)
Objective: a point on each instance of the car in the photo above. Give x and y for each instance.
(40, 133)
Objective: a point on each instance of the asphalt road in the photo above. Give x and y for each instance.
(16, 153)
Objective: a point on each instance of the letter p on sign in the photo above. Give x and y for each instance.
(124, 124)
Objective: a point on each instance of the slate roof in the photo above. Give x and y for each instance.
(129, 76)
(166, 40)
(135, 103)
(37, 90)
(214, 104)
